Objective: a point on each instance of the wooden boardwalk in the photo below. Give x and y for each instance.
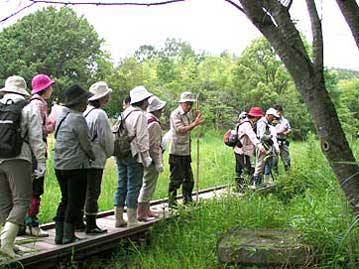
(43, 253)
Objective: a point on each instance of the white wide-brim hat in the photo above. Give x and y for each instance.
(99, 89)
(139, 94)
(186, 97)
(272, 111)
(15, 84)
(154, 104)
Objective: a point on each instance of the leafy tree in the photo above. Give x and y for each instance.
(54, 42)
(272, 18)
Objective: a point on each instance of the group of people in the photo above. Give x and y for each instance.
(265, 137)
(84, 140)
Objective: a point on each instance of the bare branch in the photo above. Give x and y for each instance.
(107, 3)
(317, 35)
(17, 12)
(236, 5)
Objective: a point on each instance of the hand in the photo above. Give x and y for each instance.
(40, 170)
(159, 168)
(198, 118)
(261, 149)
(147, 161)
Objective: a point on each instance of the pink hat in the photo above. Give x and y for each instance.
(41, 82)
(255, 112)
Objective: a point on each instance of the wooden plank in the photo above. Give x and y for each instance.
(44, 253)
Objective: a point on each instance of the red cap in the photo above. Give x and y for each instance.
(255, 112)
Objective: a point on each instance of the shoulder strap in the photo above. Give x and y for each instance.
(58, 126)
(152, 119)
(43, 118)
(89, 112)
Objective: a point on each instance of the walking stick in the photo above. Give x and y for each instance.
(198, 136)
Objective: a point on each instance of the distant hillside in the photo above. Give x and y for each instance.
(342, 74)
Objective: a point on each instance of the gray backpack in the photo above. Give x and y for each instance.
(122, 141)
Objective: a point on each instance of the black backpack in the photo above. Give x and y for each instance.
(10, 128)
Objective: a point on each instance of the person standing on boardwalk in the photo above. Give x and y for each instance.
(102, 144)
(248, 143)
(131, 167)
(73, 154)
(182, 124)
(151, 173)
(41, 92)
(16, 160)
(283, 129)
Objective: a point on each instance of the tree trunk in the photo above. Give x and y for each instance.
(350, 11)
(273, 20)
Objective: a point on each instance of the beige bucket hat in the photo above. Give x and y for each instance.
(99, 90)
(155, 103)
(186, 97)
(139, 94)
(16, 84)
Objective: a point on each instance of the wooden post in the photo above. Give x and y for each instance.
(197, 140)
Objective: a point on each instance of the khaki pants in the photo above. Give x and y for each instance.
(149, 183)
(15, 190)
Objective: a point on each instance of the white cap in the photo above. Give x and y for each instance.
(15, 84)
(139, 94)
(186, 97)
(99, 90)
(154, 104)
(272, 111)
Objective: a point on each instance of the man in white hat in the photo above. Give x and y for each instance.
(182, 124)
(131, 167)
(102, 143)
(16, 167)
(151, 173)
(267, 135)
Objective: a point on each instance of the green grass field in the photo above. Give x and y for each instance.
(307, 199)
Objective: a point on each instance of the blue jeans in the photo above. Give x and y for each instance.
(130, 175)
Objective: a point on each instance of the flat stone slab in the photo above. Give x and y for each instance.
(272, 248)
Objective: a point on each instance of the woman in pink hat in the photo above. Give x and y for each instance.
(245, 150)
(41, 91)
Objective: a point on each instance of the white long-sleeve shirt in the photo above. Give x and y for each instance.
(100, 135)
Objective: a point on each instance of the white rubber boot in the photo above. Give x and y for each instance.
(132, 217)
(8, 235)
(120, 222)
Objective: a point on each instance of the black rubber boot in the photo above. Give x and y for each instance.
(91, 227)
(59, 232)
(69, 233)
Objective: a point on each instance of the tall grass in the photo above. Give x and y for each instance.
(307, 199)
